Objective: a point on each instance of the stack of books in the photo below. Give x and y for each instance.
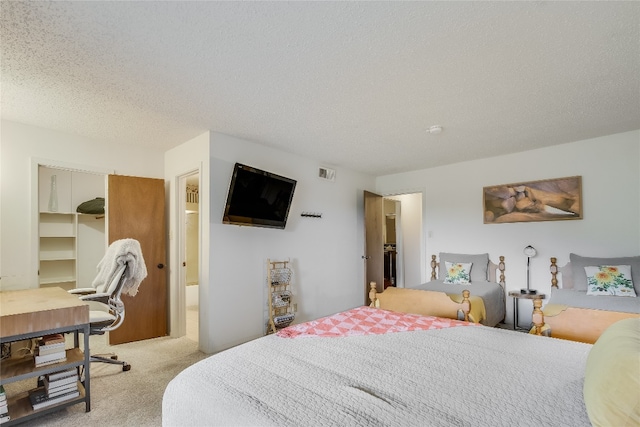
(58, 387)
(4, 409)
(51, 349)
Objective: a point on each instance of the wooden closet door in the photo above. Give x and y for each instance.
(136, 210)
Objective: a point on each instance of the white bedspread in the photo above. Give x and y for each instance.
(470, 376)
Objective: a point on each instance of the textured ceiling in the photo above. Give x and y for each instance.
(351, 84)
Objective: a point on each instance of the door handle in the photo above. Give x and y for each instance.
(161, 266)
(366, 257)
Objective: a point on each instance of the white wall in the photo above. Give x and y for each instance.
(453, 211)
(191, 156)
(325, 253)
(411, 240)
(19, 145)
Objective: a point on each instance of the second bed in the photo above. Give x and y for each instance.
(462, 286)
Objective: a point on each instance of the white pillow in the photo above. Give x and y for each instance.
(610, 280)
(480, 271)
(458, 272)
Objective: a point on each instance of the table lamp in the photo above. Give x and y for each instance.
(529, 251)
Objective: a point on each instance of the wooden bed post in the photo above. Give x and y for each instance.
(501, 268)
(434, 264)
(538, 316)
(554, 273)
(466, 304)
(373, 295)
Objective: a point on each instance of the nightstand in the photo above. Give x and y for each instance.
(516, 295)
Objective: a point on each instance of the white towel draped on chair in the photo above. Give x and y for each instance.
(120, 252)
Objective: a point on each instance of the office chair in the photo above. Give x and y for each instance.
(120, 271)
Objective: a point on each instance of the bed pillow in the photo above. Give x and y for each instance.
(479, 272)
(612, 376)
(458, 273)
(578, 263)
(610, 280)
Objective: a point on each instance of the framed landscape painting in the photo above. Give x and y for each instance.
(545, 200)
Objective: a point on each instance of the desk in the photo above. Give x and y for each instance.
(32, 313)
(518, 295)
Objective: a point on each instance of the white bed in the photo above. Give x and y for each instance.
(458, 376)
(571, 313)
(487, 283)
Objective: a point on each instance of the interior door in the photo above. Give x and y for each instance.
(374, 242)
(136, 210)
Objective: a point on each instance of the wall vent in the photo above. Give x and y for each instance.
(326, 173)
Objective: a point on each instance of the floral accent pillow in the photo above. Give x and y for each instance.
(458, 272)
(610, 280)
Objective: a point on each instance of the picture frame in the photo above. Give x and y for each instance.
(544, 200)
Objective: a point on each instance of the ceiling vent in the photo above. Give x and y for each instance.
(326, 173)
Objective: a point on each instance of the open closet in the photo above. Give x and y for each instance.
(71, 243)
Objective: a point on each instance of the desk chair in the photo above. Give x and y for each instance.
(123, 268)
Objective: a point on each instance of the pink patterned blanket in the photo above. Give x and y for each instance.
(367, 321)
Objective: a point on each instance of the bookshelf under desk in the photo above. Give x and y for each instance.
(33, 313)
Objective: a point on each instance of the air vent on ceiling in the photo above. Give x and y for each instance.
(326, 173)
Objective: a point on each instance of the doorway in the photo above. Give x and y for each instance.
(190, 251)
(410, 240)
(394, 240)
(392, 243)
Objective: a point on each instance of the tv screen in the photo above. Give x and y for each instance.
(258, 198)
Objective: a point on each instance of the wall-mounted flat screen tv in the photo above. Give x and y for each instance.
(258, 198)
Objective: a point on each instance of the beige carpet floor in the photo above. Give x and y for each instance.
(132, 398)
